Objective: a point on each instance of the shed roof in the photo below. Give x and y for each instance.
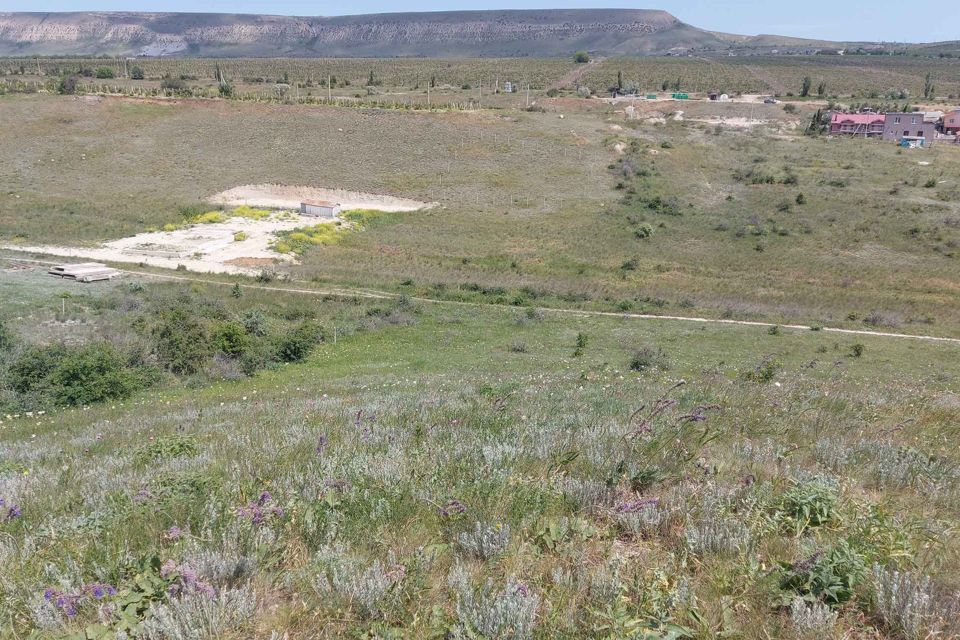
(321, 203)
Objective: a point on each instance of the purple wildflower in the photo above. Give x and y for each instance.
(804, 566)
(337, 484)
(260, 510)
(635, 506)
(65, 602)
(452, 508)
(99, 590)
(9, 511)
(185, 579)
(521, 589)
(167, 568)
(174, 533)
(321, 444)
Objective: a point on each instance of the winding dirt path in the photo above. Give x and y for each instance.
(572, 77)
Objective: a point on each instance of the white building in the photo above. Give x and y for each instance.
(320, 208)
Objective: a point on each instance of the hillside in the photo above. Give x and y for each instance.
(449, 33)
(644, 369)
(505, 33)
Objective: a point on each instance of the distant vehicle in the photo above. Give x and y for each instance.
(770, 101)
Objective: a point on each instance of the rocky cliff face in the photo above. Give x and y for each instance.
(449, 33)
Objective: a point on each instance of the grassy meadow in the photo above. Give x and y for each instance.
(691, 216)
(476, 453)
(503, 473)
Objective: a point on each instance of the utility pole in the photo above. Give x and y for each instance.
(328, 87)
(428, 95)
(528, 97)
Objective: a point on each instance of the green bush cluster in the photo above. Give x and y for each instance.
(190, 336)
(60, 375)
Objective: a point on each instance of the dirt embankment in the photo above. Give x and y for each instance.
(279, 196)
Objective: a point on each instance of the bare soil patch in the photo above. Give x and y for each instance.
(238, 245)
(280, 196)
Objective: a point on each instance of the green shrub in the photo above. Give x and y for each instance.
(829, 576)
(7, 338)
(297, 343)
(166, 448)
(68, 85)
(92, 374)
(648, 357)
(104, 73)
(580, 344)
(765, 371)
(30, 372)
(230, 338)
(581, 57)
(64, 376)
(808, 504)
(136, 73)
(173, 84)
(255, 322)
(180, 341)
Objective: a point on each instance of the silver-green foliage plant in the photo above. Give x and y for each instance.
(812, 619)
(352, 584)
(716, 533)
(195, 616)
(485, 541)
(499, 614)
(904, 601)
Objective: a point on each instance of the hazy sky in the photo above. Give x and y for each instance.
(888, 20)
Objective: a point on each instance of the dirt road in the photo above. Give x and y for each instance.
(350, 292)
(572, 77)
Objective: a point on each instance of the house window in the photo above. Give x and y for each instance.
(913, 120)
(896, 120)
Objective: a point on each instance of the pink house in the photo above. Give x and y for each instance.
(856, 124)
(951, 121)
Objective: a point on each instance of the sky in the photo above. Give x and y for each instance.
(878, 20)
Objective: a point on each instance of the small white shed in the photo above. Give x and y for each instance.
(320, 208)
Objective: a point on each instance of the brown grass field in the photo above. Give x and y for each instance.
(530, 210)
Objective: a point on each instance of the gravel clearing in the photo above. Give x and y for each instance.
(203, 248)
(214, 248)
(279, 196)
